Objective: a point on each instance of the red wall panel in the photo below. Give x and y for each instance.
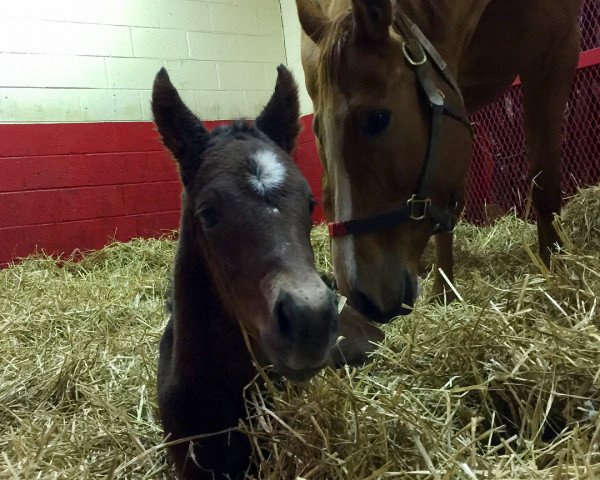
(77, 186)
(64, 237)
(68, 138)
(308, 160)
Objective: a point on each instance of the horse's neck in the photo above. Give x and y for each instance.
(448, 24)
(207, 339)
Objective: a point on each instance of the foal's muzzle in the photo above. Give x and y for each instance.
(303, 331)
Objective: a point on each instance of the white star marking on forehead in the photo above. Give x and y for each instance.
(269, 172)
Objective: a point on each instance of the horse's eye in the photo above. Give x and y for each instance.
(312, 203)
(377, 122)
(208, 217)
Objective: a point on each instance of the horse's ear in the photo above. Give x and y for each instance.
(373, 19)
(181, 131)
(313, 21)
(279, 118)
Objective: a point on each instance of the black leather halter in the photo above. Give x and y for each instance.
(419, 206)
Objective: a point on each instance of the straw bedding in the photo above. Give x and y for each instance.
(503, 384)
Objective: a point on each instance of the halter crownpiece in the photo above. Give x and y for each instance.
(417, 50)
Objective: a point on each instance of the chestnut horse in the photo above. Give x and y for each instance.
(392, 82)
(244, 259)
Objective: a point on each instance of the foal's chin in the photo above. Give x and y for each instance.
(297, 364)
(297, 372)
(297, 376)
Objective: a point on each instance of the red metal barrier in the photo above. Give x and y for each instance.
(498, 175)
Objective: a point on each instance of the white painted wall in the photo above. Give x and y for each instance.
(292, 31)
(95, 60)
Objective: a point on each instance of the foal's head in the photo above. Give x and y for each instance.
(372, 123)
(249, 209)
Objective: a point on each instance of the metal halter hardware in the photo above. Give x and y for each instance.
(414, 202)
(410, 59)
(419, 206)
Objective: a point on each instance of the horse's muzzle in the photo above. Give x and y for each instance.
(370, 308)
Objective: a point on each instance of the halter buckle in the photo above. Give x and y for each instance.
(409, 57)
(418, 207)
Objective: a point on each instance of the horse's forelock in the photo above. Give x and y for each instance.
(333, 46)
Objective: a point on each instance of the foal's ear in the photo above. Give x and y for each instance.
(181, 131)
(279, 118)
(373, 19)
(313, 21)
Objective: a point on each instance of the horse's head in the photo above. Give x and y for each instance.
(373, 122)
(250, 211)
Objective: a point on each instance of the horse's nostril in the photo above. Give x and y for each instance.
(409, 291)
(365, 305)
(403, 306)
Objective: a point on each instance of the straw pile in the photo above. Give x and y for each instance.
(79, 350)
(503, 384)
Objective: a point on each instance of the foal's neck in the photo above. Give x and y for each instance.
(208, 338)
(448, 24)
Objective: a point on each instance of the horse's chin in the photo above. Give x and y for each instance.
(370, 309)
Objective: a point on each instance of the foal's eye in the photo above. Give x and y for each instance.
(377, 122)
(208, 216)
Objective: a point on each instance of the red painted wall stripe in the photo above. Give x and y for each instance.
(64, 237)
(307, 158)
(85, 203)
(77, 186)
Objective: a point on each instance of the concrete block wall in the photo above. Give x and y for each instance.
(80, 161)
(306, 150)
(292, 33)
(84, 60)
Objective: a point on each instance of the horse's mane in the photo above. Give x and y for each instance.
(334, 42)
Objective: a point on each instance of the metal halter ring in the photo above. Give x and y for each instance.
(411, 60)
(418, 207)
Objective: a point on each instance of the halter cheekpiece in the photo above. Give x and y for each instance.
(420, 54)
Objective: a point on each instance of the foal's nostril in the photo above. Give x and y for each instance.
(303, 328)
(284, 321)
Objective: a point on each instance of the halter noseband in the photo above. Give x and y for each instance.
(417, 48)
